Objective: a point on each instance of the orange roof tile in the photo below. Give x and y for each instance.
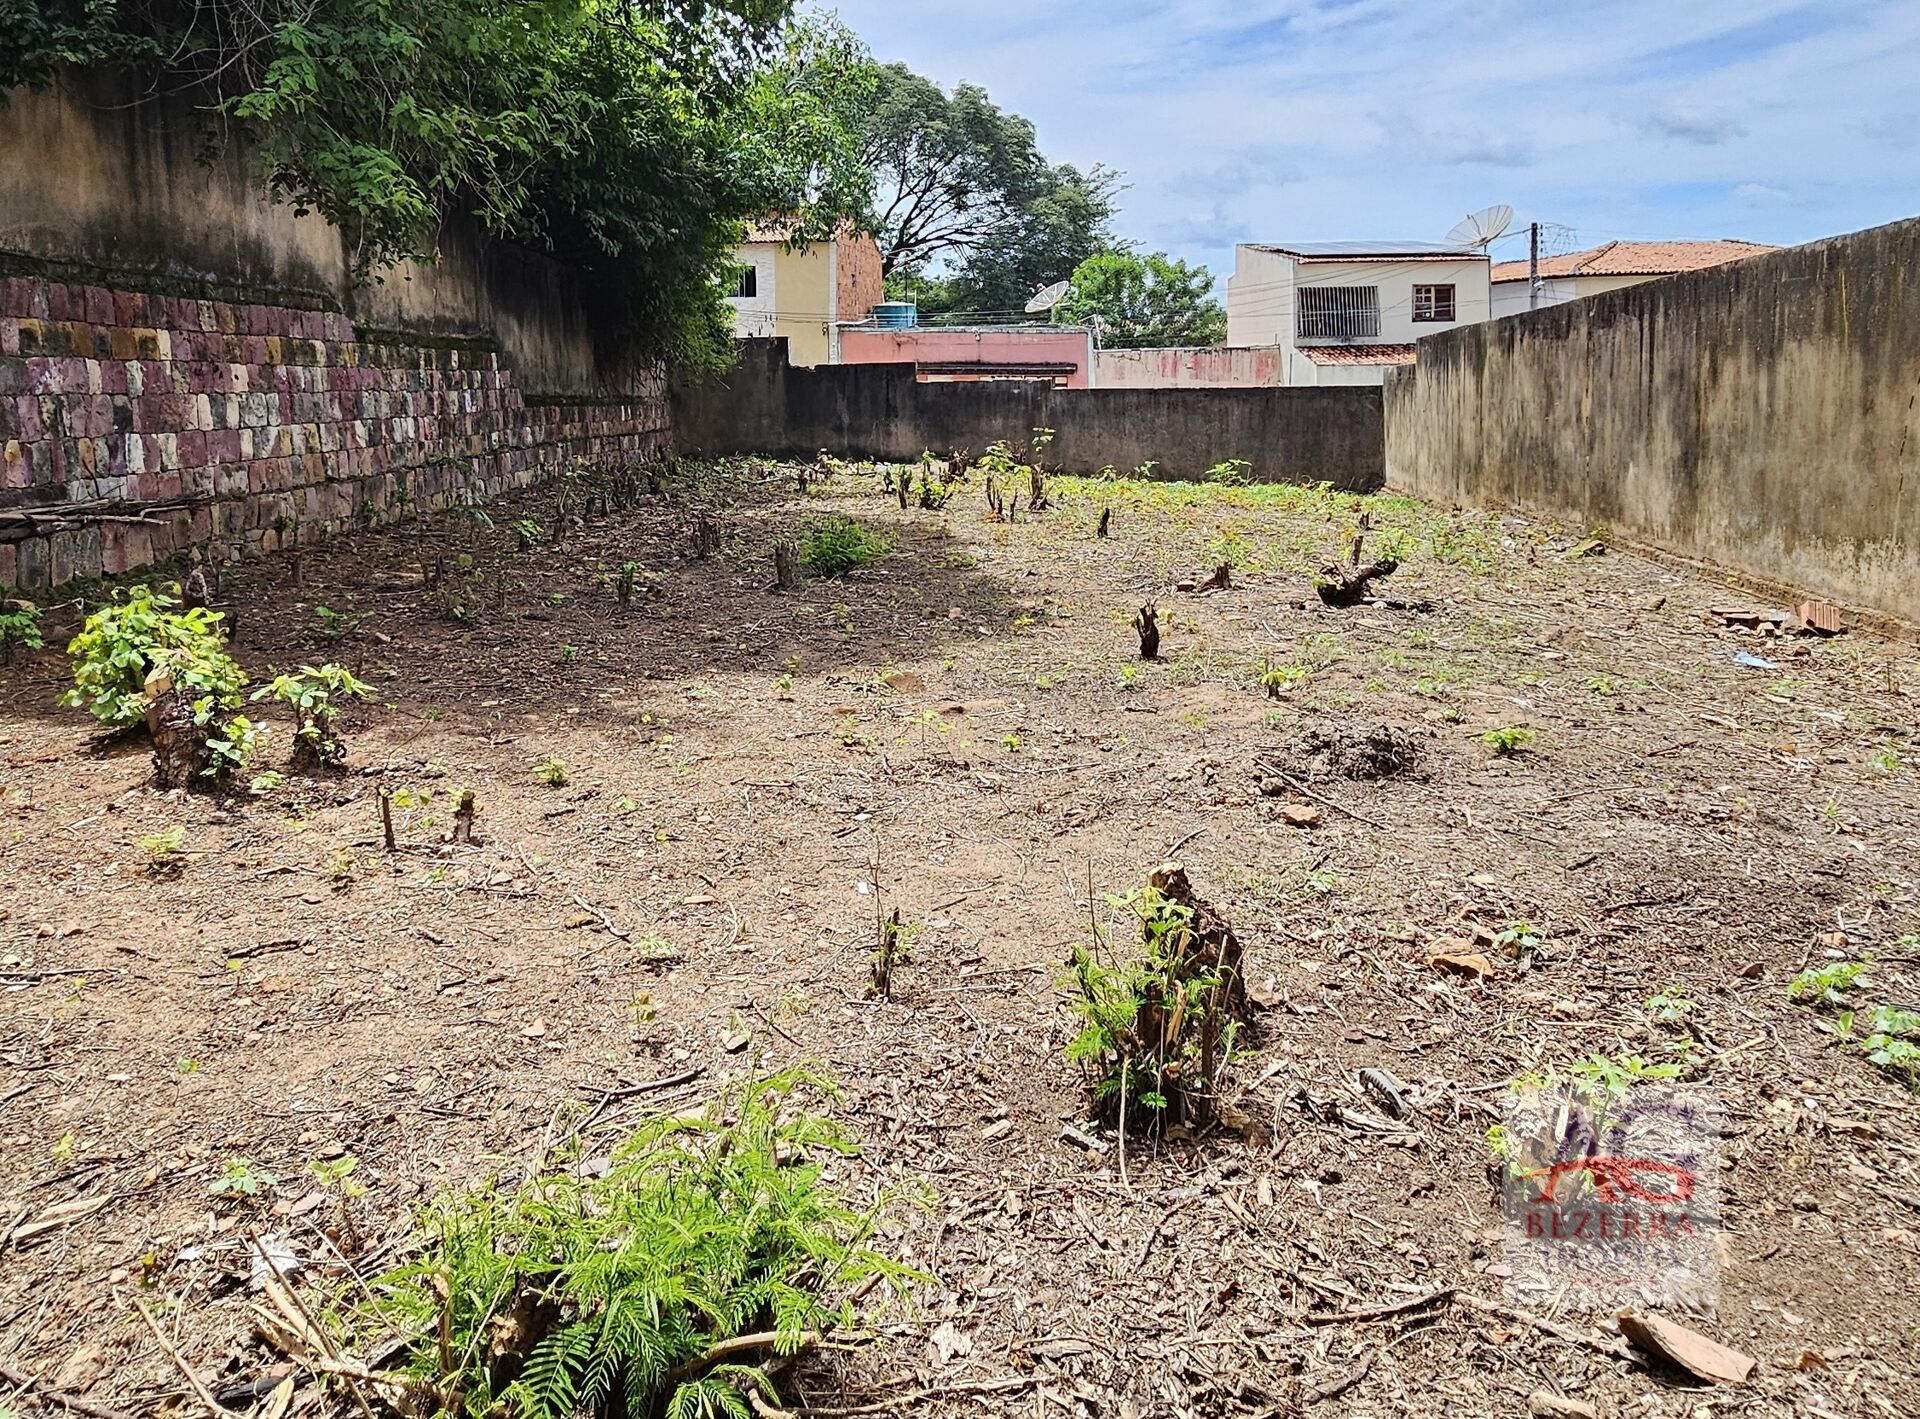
(1637, 258)
(1359, 354)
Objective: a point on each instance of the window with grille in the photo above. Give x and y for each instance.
(1433, 302)
(748, 286)
(1338, 313)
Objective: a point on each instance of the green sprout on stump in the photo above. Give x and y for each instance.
(313, 694)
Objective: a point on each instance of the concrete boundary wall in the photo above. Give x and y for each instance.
(764, 405)
(1764, 416)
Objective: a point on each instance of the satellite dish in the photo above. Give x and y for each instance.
(1045, 300)
(1477, 232)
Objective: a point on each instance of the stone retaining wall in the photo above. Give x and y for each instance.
(135, 423)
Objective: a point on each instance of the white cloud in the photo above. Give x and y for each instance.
(1331, 119)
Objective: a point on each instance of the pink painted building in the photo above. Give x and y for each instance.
(1061, 353)
(1192, 367)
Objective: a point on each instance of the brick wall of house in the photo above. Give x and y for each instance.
(135, 423)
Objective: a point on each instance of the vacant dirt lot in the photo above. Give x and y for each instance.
(962, 730)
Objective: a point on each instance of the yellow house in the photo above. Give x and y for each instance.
(804, 291)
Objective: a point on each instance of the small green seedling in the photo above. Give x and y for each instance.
(1889, 1043)
(1671, 1006)
(315, 694)
(1829, 984)
(1508, 740)
(19, 627)
(162, 850)
(1519, 938)
(1615, 1074)
(330, 625)
(242, 1182)
(551, 772)
(1277, 679)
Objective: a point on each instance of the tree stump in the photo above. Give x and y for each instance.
(1106, 522)
(1347, 586)
(1147, 623)
(786, 570)
(706, 539)
(180, 754)
(463, 815)
(1201, 946)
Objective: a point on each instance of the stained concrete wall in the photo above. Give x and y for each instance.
(1763, 415)
(1191, 367)
(881, 411)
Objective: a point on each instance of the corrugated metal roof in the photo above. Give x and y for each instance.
(1638, 258)
(1359, 354)
(1371, 251)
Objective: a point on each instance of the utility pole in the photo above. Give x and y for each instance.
(1533, 267)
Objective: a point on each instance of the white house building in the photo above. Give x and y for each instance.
(1345, 312)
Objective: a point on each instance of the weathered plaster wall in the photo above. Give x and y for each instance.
(881, 411)
(956, 350)
(1763, 415)
(1191, 367)
(183, 360)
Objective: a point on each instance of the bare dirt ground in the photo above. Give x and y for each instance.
(700, 894)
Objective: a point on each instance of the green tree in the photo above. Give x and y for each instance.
(948, 168)
(628, 137)
(1146, 300)
(1063, 223)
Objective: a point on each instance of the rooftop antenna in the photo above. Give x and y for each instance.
(1480, 230)
(1046, 298)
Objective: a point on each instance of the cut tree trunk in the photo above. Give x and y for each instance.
(1147, 623)
(786, 571)
(1343, 586)
(180, 754)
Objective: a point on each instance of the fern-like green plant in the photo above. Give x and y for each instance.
(644, 1289)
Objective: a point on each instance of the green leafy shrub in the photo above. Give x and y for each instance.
(640, 1291)
(19, 626)
(839, 543)
(137, 632)
(313, 694)
(1156, 1031)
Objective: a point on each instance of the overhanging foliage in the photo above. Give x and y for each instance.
(627, 137)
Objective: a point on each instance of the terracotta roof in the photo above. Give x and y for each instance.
(1638, 258)
(781, 229)
(772, 229)
(1359, 354)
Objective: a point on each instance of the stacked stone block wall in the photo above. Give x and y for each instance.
(136, 423)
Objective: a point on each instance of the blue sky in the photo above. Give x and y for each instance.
(1326, 120)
